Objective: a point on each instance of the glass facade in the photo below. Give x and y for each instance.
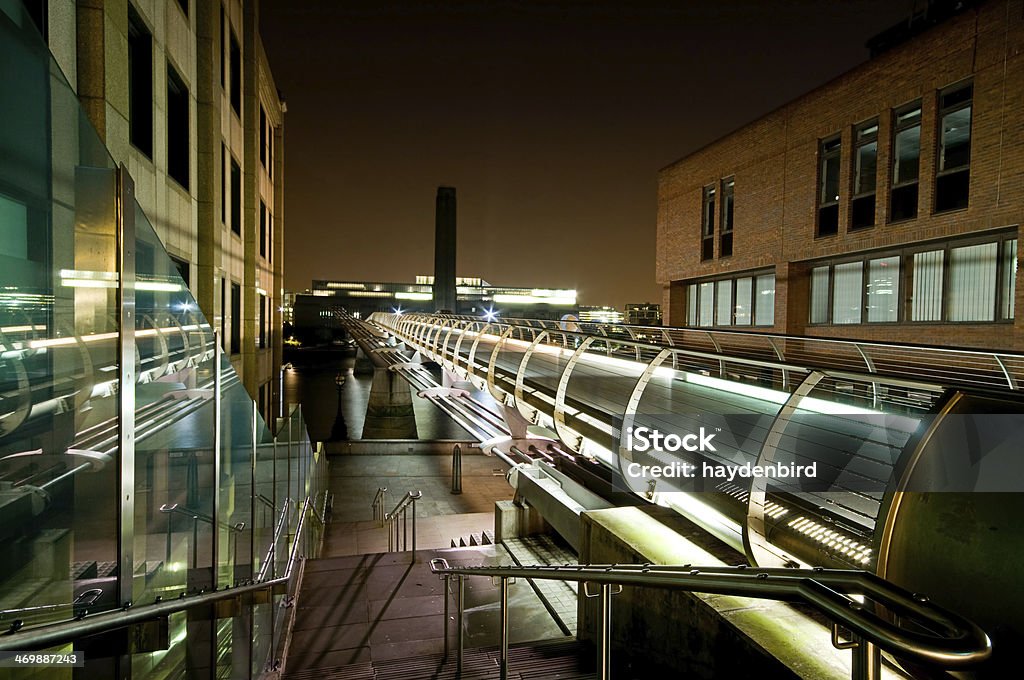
(123, 481)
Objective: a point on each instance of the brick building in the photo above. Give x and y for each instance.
(883, 205)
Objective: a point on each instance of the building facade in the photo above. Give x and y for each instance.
(643, 314)
(182, 94)
(884, 205)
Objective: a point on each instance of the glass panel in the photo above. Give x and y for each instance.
(972, 283)
(955, 151)
(819, 295)
(691, 305)
(926, 304)
(846, 292)
(865, 177)
(764, 305)
(906, 155)
(707, 303)
(883, 289)
(1009, 283)
(723, 303)
(58, 332)
(743, 289)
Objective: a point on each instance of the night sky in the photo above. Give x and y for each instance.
(551, 119)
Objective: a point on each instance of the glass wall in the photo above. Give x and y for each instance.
(123, 483)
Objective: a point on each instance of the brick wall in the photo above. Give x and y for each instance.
(774, 161)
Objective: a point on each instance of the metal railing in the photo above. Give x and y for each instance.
(196, 516)
(397, 523)
(59, 633)
(378, 505)
(934, 636)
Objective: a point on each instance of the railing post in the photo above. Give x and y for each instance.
(457, 469)
(126, 377)
(504, 629)
(195, 541)
(867, 662)
(605, 646)
(405, 528)
(459, 636)
(413, 529)
(391, 535)
(447, 594)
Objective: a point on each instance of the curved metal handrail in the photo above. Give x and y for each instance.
(397, 520)
(944, 638)
(54, 634)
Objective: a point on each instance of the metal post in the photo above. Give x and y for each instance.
(125, 242)
(867, 662)
(447, 593)
(218, 357)
(605, 645)
(457, 469)
(504, 628)
(459, 636)
(195, 541)
(168, 559)
(414, 530)
(391, 536)
(405, 528)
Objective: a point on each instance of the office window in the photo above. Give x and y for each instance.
(953, 168)
(223, 47)
(764, 300)
(707, 245)
(865, 139)
(740, 301)
(723, 302)
(883, 289)
(906, 160)
(261, 320)
(691, 305)
(828, 181)
(270, 150)
(725, 249)
(847, 285)
(972, 283)
(819, 294)
(706, 292)
(263, 136)
(177, 128)
(236, 197)
(38, 11)
(236, 75)
(223, 183)
(223, 312)
(140, 84)
(1008, 282)
(743, 304)
(926, 302)
(183, 268)
(270, 236)
(183, 4)
(236, 318)
(263, 229)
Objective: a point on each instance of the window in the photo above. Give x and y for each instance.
(820, 289)
(236, 318)
(707, 245)
(183, 268)
(140, 84)
(865, 139)
(223, 183)
(177, 128)
(270, 236)
(906, 157)
(740, 301)
(263, 136)
(882, 289)
(183, 4)
(223, 310)
(953, 168)
(725, 247)
(236, 75)
(38, 11)
(263, 229)
(828, 191)
(261, 320)
(962, 282)
(236, 197)
(223, 46)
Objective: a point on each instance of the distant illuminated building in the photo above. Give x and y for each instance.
(643, 314)
(604, 314)
(474, 297)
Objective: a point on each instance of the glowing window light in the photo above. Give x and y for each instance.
(402, 295)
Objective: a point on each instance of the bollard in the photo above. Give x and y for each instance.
(457, 469)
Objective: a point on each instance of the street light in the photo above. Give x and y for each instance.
(340, 431)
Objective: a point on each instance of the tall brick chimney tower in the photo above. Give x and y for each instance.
(444, 250)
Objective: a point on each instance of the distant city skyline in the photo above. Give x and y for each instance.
(551, 122)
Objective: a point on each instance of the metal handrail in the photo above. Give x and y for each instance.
(59, 633)
(86, 597)
(378, 504)
(269, 558)
(397, 520)
(939, 638)
(196, 516)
